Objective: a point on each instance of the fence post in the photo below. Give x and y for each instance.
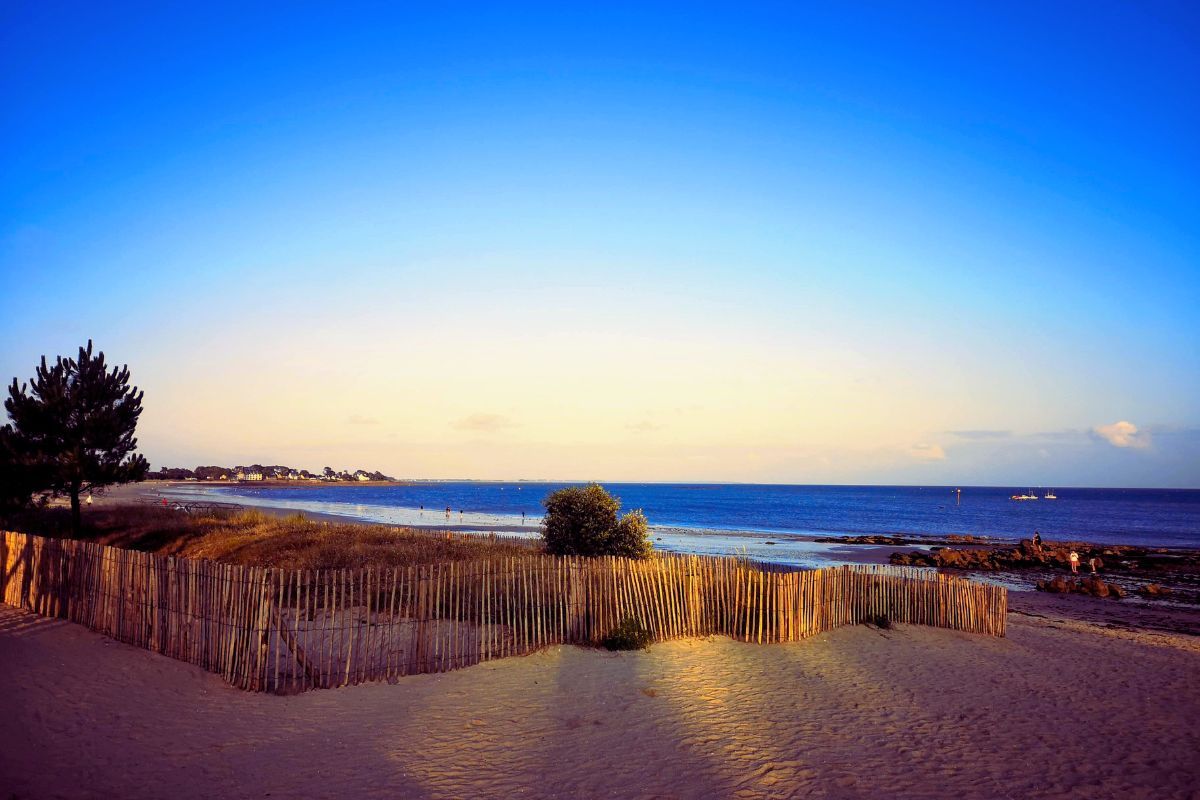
(575, 603)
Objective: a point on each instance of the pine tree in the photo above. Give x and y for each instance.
(73, 425)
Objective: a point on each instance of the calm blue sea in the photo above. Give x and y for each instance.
(1156, 517)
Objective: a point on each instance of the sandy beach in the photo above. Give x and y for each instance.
(1057, 709)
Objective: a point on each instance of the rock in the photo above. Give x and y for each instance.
(1058, 585)
(1153, 590)
(1091, 586)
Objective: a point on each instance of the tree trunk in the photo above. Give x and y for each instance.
(75, 519)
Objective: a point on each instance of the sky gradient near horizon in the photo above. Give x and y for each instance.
(895, 243)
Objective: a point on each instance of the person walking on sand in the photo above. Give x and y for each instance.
(1074, 559)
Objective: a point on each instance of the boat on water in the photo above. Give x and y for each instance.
(1027, 496)
(1049, 495)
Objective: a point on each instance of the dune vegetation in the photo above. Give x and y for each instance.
(256, 538)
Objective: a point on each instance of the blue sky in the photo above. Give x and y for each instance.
(640, 242)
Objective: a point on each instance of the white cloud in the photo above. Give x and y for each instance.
(1122, 434)
(359, 419)
(927, 452)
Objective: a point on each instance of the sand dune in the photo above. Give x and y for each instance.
(1057, 709)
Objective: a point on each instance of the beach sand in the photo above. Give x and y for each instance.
(1060, 708)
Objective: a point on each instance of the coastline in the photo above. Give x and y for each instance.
(858, 711)
(812, 550)
(794, 551)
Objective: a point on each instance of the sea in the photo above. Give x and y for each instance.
(766, 522)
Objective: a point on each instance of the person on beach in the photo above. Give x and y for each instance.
(1037, 540)
(1074, 559)
(1095, 563)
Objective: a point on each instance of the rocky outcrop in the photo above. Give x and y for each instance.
(1091, 586)
(1153, 591)
(1025, 555)
(871, 539)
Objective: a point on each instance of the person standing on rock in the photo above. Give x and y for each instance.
(1037, 541)
(1074, 559)
(1095, 563)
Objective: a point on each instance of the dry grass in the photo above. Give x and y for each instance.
(258, 539)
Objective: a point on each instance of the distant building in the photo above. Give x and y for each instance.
(362, 476)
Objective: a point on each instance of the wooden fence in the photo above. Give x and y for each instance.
(291, 630)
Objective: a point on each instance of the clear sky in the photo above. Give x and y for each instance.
(876, 243)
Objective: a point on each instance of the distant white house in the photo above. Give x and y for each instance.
(293, 476)
(362, 476)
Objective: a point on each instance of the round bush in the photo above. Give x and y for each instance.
(582, 521)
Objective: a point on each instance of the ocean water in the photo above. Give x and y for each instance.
(767, 521)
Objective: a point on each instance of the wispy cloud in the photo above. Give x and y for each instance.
(1070, 435)
(359, 419)
(927, 452)
(645, 426)
(485, 423)
(981, 434)
(1122, 434)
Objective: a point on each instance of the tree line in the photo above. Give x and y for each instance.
(271, 472)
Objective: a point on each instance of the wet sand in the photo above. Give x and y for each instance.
(1059, 709)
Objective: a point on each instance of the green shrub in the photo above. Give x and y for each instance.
(582, 521)
(631, 538)
(629, 635)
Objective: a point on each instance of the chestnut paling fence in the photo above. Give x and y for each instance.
(290, 630)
